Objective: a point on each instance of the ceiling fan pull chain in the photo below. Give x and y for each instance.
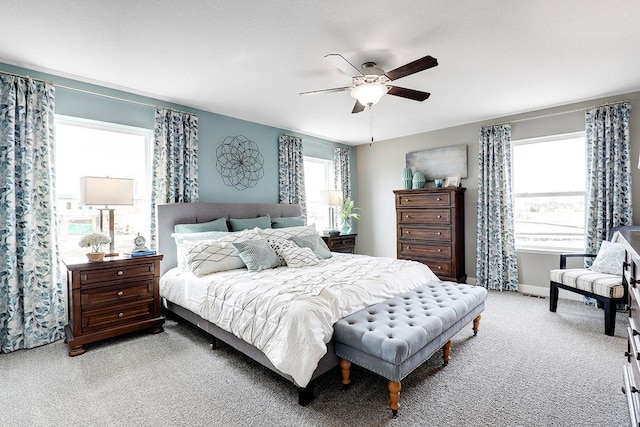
(371, 123)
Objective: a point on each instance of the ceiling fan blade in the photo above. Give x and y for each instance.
(412, 67)
(416, 95)
(342, 64)
(358, 108)
(337, 89)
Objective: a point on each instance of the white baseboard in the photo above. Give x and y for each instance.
(537, 291)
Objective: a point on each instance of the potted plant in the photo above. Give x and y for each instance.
(347, 213)
(94, 240)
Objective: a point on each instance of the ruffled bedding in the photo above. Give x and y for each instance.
(288, 313)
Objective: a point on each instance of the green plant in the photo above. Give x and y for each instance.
(348, 209)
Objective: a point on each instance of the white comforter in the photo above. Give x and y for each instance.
(289, 313)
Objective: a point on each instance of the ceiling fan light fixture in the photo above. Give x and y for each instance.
(369, 93)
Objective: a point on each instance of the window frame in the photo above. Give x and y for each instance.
(329, 183)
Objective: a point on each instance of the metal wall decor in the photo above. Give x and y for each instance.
(239, 162)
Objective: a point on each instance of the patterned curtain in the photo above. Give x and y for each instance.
(175, 161)
(495, 252)
(608, 172)
(342, 171)
(291, 172)
(32, 306)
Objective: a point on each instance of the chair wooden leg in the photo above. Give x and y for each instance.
(553, 297)
(609, 317)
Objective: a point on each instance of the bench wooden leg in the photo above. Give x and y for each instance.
(345, 367)
(476, 325)
(394, 397)
(446, 353)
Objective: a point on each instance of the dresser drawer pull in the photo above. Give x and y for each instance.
(439, 268)
(407, 200)
(439, 216)
(407, 232)
(439, 233)
(408, 247)
(120, 272)
(407, 216)
(438, 198)
(120, 314)
(439, 250)
(120, 293)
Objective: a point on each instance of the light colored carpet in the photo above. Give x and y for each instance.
(526, 367)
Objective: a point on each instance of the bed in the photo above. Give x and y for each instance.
(306, 300)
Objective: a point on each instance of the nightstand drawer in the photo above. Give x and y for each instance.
(425, 216)
(116, 274)
(421, 250)
(114, 316)
(442, 234)
(423, 200)
(106, 295)
(341, 242)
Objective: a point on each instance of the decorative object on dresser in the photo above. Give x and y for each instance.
(345, 243)
(94, 240)
(438, 162)
(419, 180)
(452, 181)
(111, 298)
(430, 229)
(407, 178)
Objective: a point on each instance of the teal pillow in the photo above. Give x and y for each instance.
(258, 255)
(315, 243)
(284, 222)
(244, 224)
(219, 224)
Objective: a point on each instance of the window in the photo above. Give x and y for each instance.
(318, 176)
(549, 185)
(91, 148)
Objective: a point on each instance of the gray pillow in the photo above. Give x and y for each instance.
(257, 254)
(284, 222)
(219, 224)
(315, 243)
(238, 224)
(610, 258)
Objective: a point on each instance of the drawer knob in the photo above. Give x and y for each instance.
(439, 216)
(439, 268)
(120, 272)
(407, 200)
(438, 198)
(407, 216)
(439, 233)
(407, 232)
(120, 293)
(439, 250)
(408, 247)
(120, 314)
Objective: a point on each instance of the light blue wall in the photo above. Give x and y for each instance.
(213, 129)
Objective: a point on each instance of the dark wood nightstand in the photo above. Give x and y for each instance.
(112, 297)
(342, 243)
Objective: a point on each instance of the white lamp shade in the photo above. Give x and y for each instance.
(369, 93)
(331, 197)
(106, 191)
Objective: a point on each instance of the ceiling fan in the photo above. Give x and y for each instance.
(370, 83)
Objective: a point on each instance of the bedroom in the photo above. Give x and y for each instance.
(377, 166)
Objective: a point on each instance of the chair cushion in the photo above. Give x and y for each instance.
(606, 285)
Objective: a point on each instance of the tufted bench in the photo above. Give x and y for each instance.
(396, 336)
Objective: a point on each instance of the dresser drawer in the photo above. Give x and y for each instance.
(116, 274)
(442, 234)
(424, 216)
(634, 309)
(423, 200)
(439, 267)
(346, 242)
(106, 295)
(421, 250)
(117, 315)
(630, 389)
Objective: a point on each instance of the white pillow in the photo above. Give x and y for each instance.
(193, 237)
(287, 233)
(211, 256)
(610, 258)
(297, 257)
(278, 244)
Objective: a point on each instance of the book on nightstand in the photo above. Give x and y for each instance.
(142, 253)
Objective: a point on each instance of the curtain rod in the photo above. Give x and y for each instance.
(560, 113)
(90, 92)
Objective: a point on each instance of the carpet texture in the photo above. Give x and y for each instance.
(526, 367)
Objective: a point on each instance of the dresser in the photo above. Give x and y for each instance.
(112, 297)
(631, 370)
(345, 243)
(430, 229)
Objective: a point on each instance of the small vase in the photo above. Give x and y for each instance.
(346, 227)
(419, 180)
(407, 178)
(95, 256)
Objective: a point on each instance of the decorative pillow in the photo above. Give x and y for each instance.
(287, 233)
(219, 224)
(297, 257)
(210, 256)
(243, 224)
(284, 222)
(610, 258)
(194, 237)
(315, 243)
(257, 254)
(278, 244)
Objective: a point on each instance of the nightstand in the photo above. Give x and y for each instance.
(112, 297)
(342, 243)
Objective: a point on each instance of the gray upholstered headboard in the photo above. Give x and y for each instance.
(171, 214)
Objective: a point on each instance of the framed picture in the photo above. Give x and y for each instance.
(452, 181)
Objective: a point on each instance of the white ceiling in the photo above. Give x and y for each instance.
(249, 59)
